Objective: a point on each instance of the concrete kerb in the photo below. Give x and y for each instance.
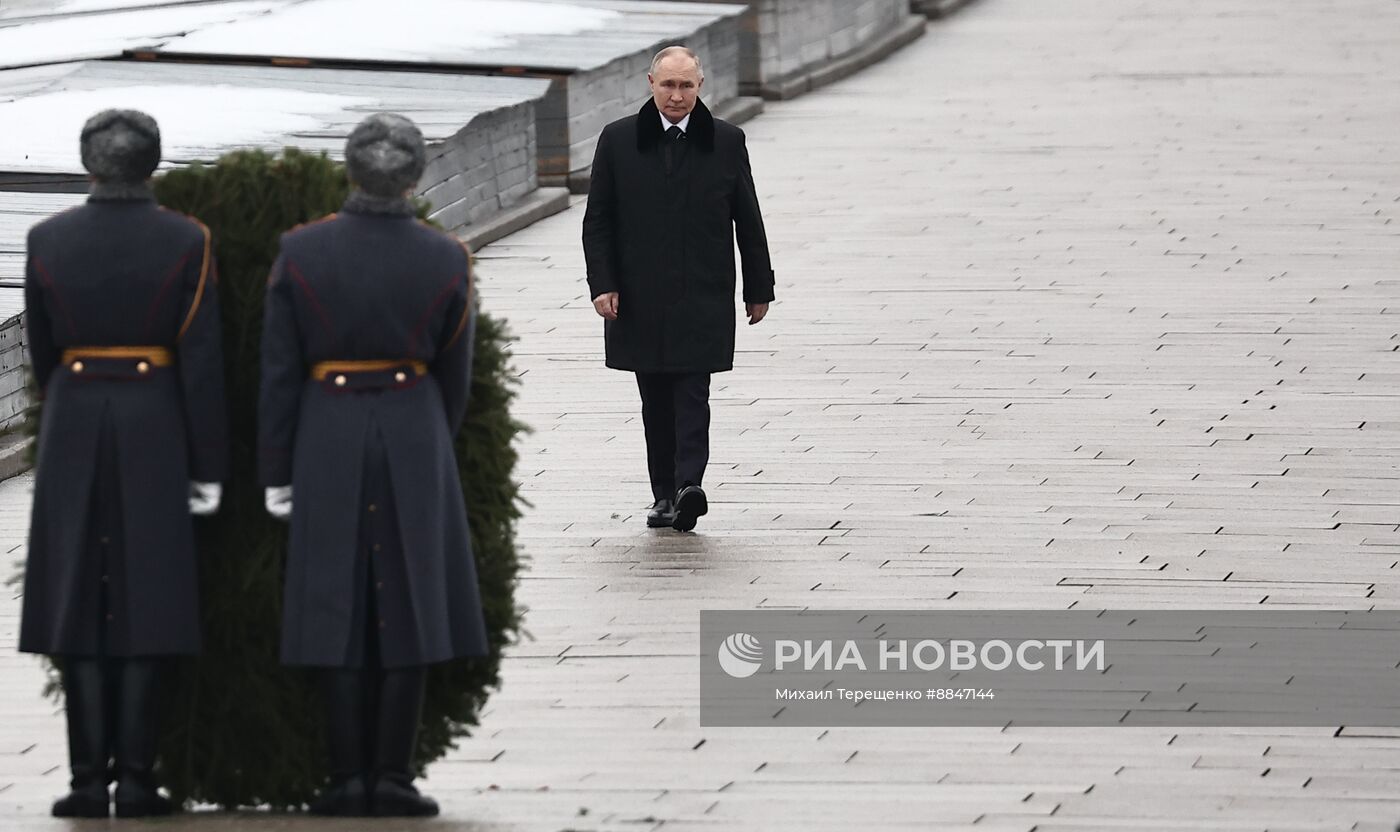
(541, 203)
(14, 455)
(740, 110)
(937, 8)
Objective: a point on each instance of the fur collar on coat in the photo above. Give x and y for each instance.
(701, 129)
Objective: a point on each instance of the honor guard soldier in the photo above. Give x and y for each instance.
(123, 325)
(366, 361)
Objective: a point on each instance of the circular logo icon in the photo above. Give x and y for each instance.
(740, 655)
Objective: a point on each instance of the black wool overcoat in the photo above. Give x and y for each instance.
(365, 286)
(664, 241)
(116, 273)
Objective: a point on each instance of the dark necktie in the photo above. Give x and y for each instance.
(673, 135)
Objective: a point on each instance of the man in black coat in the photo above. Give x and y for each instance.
(123, 326)
(671, 187)
(366, 365)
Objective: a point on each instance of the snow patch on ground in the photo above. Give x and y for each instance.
(441, 31)
(196, 122)
(107, 35)
(33, 8)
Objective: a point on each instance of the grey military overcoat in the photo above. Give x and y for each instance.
(370, 287)
(121, 273)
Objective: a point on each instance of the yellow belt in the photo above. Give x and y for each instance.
(147, 357)
(325, 369)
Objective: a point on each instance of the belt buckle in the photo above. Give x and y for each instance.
(110, 367)
(398, 376)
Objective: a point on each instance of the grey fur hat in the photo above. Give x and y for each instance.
(385, 155)
(121, 146)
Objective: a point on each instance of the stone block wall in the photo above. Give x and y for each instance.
(782, 39)
(487, 167)
(14, 399)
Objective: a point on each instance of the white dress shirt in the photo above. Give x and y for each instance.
(667, 125)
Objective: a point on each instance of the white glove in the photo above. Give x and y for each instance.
(205, 498)
(278, 500)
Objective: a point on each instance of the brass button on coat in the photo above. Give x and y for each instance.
(373, 507)
(77, 366)
(143, 368)
(400, 376)
(340, 381)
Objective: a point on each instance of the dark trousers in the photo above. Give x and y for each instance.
(114, 709)
(373, 714)
(676, 417)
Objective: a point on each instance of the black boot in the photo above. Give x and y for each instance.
(347, 795)
(400, 709)
(138, 732)
(86, 705)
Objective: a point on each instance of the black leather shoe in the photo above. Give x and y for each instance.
(661, 514)
(690, 504)
(396, 797)
(348, 798)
